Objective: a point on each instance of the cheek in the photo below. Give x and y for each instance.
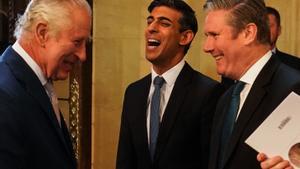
(64, 53)
(228, 53)
(53, 54)
(219, 45)
(173, 38)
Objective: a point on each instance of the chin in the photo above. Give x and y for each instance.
(151, 59)
(220, 72)
(61, 76)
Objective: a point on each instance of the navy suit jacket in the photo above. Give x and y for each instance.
(272, 85)
(30, 136)
(185, 128)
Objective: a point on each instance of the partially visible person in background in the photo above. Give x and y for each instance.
(275, 31)
(167, 115)
(51, 37)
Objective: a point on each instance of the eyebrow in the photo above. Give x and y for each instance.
(161, 18)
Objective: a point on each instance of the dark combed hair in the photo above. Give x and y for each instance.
(273, 11)
(188, 21)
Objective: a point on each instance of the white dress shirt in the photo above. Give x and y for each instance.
(170, 77)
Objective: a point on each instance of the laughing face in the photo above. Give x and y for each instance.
(163, 38)
(222, 45)
(66, 49)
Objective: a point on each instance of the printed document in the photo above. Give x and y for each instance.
(279, 134)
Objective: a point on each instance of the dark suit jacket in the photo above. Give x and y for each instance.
(272, 85)
(30, 137)
(185, 128)
(288, 59)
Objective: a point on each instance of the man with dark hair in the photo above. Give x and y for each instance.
(275, 30)
(238, 37)
(167, 115)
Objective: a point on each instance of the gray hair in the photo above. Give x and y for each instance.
(57, 13)
(243, 12)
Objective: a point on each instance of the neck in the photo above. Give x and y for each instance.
(253, 55)
(33, 50)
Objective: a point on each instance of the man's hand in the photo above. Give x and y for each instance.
(275, 162)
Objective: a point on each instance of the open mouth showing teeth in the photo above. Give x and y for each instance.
(153, 42)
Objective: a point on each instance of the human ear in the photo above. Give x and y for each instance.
(186, 37)
(41, 33)
(250, 33)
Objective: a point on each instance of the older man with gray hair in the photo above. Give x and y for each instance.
(51, 38)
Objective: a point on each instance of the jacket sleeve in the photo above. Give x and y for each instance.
(11, 147)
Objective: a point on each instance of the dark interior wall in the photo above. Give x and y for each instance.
(9, 12)
(3, 25)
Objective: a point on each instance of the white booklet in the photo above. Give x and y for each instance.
(279, 134)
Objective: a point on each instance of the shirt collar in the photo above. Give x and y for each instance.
(171, 75)
(251, 74)
(274, 50)
(30, 62)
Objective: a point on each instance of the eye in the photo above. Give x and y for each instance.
(77, 43)
(216, 36)
(165, 24)
(149, 21)
(213, 35)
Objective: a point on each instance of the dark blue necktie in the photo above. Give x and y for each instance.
(154, 114)
(230, 119)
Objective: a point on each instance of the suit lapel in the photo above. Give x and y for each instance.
(33, 86)
(140, 110)
(256, 95)
(176, 100)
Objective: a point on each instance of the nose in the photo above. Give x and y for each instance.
(152, 27)
(208, 45)
(81, 52)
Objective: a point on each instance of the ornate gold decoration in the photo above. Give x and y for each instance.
(74, 116)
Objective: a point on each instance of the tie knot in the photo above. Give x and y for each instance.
(158, 81)
(238, 87)
(49, 87)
